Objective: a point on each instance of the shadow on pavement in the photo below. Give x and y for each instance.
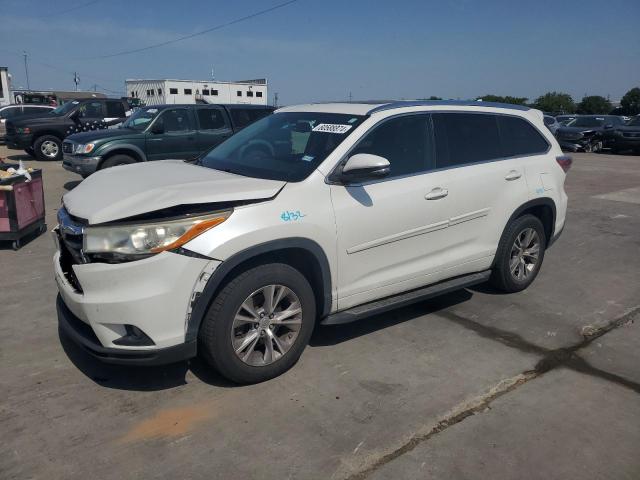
(139, 378)
(335, 334)
(71, 185)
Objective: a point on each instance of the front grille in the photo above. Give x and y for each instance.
(70, 237)
(67, 147)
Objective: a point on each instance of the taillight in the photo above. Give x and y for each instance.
(565, 162)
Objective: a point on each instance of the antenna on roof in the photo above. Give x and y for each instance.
(213, 78)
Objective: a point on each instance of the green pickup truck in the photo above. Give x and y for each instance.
(158, 132)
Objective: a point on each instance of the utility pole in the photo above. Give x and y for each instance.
(275, 99)
(26, 69)
(350, 97)
(76, 79)
(213, 78)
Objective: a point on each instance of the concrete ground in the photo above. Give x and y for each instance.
(541, 384)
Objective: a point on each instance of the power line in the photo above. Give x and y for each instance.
(53, 67)
(71, 9)
(202, 32)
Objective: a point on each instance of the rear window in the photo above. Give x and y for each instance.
(519, 137)
(463, 138)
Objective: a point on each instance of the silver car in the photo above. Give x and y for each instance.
(551, 123)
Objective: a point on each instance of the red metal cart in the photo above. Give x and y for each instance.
(21, 207)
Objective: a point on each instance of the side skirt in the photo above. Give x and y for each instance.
(400, 300)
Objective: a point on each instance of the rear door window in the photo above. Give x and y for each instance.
(465, 138)
(519, 137)
(115, 110)
(244, 116)
(212, 119)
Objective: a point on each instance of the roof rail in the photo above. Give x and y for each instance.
(435, 103)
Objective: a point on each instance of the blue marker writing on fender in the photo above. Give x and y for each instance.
(289, 216)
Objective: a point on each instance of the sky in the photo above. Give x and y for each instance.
(313, 50)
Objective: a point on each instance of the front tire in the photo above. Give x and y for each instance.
(520, 254)
(48, 148)
(117, 160)
(259, 323)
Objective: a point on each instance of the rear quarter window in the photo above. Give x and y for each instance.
(519, 137)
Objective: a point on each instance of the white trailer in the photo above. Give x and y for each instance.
(168, 91)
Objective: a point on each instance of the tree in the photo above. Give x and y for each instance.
(631, 102)
(594, 105)
(555, 102)
(433, 97)
(507, 99)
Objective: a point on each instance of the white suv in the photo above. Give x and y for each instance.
(319, 213)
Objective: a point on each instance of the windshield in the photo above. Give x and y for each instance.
(64, 109)
(140, 118)
(634, 122)
(587, 122)
(283, 146)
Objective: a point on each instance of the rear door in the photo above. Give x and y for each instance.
(177, 138)
(213, 127)
(484, 183)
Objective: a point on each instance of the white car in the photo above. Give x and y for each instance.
(321, 213)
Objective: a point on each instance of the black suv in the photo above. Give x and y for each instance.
(625, 137)
(42, 135)
(158, 132)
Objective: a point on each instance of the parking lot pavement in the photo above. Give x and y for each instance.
(540, 384)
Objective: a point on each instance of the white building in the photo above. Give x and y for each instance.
(157, 92)
(5, 87)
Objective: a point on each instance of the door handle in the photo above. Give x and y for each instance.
(512, 175)
(437, 193)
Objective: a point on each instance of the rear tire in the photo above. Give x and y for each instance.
(117, 160)
(519, 255)
(233, 339)
(48, 148)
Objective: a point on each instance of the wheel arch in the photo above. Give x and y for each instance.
(544, 208)
(126, 149)
(301, 253)
(46, 133)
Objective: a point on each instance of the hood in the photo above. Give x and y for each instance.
(629, 128)
(94, 135)
(580, 129)
(129, 190)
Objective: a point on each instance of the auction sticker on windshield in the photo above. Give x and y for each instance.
(332, 128)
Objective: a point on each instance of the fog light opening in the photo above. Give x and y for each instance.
(134, 338)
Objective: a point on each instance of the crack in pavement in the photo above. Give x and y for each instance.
(552, 359)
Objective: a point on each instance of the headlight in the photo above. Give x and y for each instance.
(148, 238)
(84, 148)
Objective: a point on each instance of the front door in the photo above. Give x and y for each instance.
(174, 137)
(391, 232)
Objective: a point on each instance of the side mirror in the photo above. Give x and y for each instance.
(157, 128)
(364, 166)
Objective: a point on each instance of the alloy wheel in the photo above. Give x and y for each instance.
(266, 325)
(49, 149)
(525, 254)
